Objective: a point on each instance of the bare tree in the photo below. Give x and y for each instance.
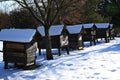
(73, 14)
(46, 12)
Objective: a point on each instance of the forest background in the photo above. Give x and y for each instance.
(84, 11)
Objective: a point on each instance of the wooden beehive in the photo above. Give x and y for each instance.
(90, 34)
(75, 36)
(111, 32)
(18, 47)
(102, 31)
(59, 38)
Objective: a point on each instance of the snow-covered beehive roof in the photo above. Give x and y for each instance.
(88, 25)
(17, 35)
(41, 30)
(74, 29)
(54, 30)
(111, 26)
(102, 25)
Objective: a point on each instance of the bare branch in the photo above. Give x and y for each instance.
(39, 9)
(32, 12)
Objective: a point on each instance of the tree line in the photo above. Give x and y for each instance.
(84, 11)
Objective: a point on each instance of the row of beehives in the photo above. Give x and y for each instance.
(19, 45)
(74, 36)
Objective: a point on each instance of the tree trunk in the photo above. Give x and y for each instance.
(49, 55)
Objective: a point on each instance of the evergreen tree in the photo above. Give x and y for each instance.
(110, 8)
(90, 14)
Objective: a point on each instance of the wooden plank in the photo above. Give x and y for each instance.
(14, 45)
(32, 48)
(14, 54)
(14, 58)
(17, 50)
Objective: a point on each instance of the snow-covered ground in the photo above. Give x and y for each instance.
(99, 62)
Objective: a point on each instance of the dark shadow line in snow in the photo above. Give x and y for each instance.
(115, 47)
(7, 72)
(51, 65)
(69, 58)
